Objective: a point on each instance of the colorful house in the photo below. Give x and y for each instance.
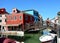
(20, 20)
(3, 14)
(37, 18)
(17, 20)
(34, 13)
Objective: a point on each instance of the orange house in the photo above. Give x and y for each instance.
(18, 20)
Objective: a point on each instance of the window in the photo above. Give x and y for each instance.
(38, 19)
(5, 20)
(13, 10)
(36, 13)
(14, 17)
(20, 17)
(26, 17)
(3, 27)
(0, 20)
(31, 18)
(10, 18)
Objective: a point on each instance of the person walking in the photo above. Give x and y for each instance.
(47, 22)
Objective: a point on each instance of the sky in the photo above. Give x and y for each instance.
(46, 8)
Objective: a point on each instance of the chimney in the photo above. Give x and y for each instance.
(15, 10)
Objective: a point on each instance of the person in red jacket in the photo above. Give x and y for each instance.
(7, 40)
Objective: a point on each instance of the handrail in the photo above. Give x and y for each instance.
(14, 33)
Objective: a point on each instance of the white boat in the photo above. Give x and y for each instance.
(47, 38)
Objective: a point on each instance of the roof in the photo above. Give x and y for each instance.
(29, 10)
(3, 11)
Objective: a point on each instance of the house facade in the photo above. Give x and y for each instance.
(3, 14)
(38, 21)
(19, 20)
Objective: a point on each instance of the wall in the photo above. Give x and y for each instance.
(28, 18)
(17, 20)
(3, 19)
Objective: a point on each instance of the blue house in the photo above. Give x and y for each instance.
(34, 13)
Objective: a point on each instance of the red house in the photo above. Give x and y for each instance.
(18, 20)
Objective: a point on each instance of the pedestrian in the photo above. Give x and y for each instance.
(48, 22)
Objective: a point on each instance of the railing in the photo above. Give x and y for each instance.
(14, 33)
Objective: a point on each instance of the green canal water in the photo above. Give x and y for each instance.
(32, 37)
